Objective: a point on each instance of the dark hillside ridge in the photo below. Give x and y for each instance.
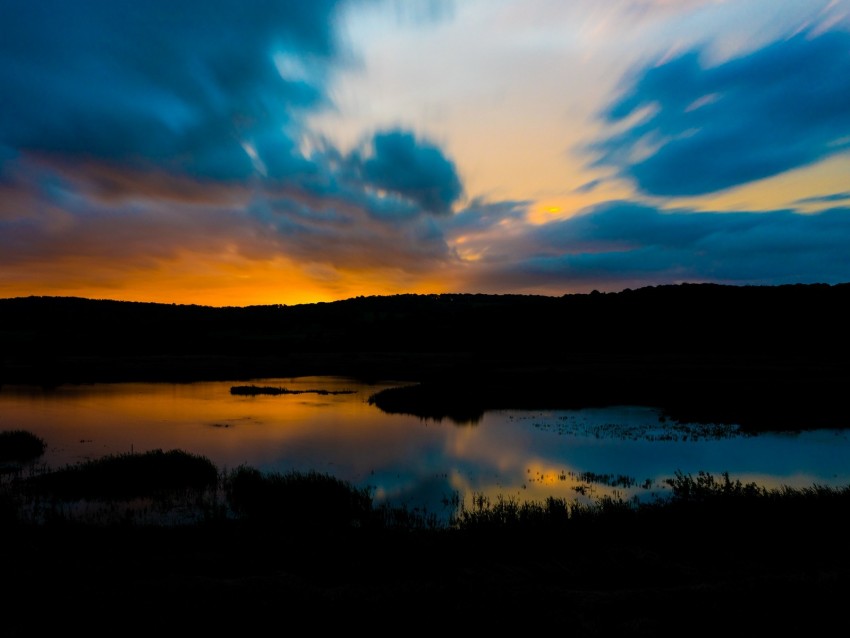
(681, 319)
(689, 346)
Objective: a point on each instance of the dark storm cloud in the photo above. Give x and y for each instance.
(414, 169)
(178, 84)
(708, 128)
(616, 243)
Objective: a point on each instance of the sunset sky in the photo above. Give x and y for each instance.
(255, 152)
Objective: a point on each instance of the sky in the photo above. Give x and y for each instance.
(234, 153)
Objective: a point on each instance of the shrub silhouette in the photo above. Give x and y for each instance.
(127, 476)
(20, 445)
(298, 500)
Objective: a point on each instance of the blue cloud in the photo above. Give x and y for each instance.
(588, 187)
(481, 215)
(617, 243)
(413, 169)
(7, 155)
(825, 199)
(181, 85)
(706, 129)
(213, 91)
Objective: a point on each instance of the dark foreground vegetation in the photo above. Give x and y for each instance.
(18, 446)
(166, 542)
(765, 357)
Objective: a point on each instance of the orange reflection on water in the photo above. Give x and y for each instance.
(329, 426)
(84, 422)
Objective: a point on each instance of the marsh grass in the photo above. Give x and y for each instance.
(719, 503)
(704, 513)
(177, 488)
(553, 513)
(714, 495)
(295, 499)
(154, 487)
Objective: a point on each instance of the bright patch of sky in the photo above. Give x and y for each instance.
(512, 89)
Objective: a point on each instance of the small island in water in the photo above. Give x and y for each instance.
(253, 390)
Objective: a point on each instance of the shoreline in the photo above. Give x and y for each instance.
(759, 394)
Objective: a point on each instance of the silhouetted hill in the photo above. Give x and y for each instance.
(679, 319)
(757, 345)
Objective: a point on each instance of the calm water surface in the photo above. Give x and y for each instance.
(529, 455)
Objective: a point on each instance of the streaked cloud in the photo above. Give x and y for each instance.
(703, 128)
(624, 243)
(177, 85)
(825, 199)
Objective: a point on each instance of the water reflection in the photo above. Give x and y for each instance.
(626, 451)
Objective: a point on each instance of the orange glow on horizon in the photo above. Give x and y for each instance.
(223, 281)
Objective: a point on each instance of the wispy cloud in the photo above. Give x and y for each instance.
(825, 199)
(622, 243)
(709, 128)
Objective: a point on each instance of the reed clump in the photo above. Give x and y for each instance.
(127, 476)
(295, 499)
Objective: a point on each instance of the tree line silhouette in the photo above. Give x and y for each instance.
(701, 350)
